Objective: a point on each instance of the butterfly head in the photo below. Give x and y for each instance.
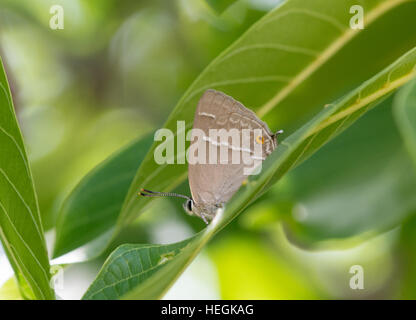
(205, 212)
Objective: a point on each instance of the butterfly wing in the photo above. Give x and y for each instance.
(215, 183)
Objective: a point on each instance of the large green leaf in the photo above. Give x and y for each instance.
(93, 206)
(298, 146)
(20, 227)
(299, 69)
(128, 266)
(278, 70)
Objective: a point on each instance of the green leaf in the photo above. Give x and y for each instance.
(128, 266)
(92, 208)
(276, 64)
(359, 185)
(322, 128)
(278, 70)
(20, 226)
(405, 112)
(156, 284)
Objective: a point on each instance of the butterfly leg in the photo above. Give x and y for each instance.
(204, 218)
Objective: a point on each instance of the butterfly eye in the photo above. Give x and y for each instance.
(260, 139)
(189, 205)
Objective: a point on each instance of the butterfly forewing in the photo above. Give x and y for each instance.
(215, 180)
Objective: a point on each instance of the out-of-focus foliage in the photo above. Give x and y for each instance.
(405, 112)
(252, 270)
(348, 188)
(10, 290)
(94, 205)
(220, 5)
(407, 261)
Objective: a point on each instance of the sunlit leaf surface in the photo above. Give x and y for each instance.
(21, 230)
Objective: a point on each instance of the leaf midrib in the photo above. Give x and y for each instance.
(391, 86)
(329, 52)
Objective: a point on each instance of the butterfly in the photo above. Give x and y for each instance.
(214, 180)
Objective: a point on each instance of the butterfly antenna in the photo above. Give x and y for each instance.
(149, 193)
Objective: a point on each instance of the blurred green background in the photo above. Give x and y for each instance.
(116, 71)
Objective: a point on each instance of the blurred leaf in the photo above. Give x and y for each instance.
(362, 182)
(10, 290)
(220, 5)
(252, 271)
(329, 267)
(82, 20)
(275, 64)
(406, 260)
(20, 225)
(322, 128)
(405, 112)
(93, 206)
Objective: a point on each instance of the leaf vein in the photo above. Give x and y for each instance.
(23, 201)
(24, 242)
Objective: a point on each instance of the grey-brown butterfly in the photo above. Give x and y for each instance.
(225, 137)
